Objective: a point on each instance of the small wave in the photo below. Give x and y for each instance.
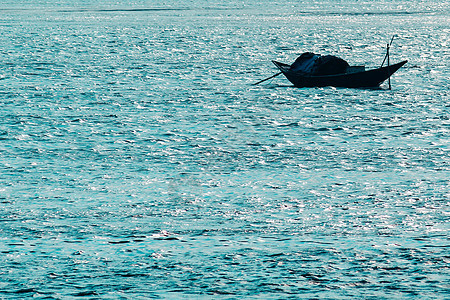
(81, 10)
(118, 9)
(365, 13)
(126, 9)
(25, 291)
(84, 294)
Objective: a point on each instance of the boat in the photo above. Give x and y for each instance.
(353, 77)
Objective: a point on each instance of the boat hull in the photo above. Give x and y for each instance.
(370, 78)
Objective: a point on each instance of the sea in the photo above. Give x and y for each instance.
(138, 160)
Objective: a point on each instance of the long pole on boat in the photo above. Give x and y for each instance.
(388, 66)
(268, 78)
(386, 56)
(388, 62)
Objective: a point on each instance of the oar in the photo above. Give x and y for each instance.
(268, 78)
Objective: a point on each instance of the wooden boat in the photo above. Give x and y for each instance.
(354, 77)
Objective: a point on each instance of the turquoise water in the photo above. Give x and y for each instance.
(138, 161)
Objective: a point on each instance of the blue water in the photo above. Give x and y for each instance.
(137, 160)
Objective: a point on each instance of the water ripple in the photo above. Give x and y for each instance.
(137, 160)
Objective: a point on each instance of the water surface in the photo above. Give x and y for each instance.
(138, 161)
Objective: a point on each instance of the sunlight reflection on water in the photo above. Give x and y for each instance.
(139, 161)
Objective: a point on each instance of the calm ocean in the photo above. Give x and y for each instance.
(138, 161)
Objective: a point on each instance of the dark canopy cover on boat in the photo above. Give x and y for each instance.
(316, 64)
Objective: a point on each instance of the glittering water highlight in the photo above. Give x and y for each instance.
(138, 161)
